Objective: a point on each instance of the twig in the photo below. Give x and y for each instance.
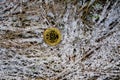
(44, 16)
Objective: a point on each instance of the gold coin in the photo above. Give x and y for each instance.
(52, 36)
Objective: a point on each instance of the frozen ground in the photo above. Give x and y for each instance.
(90, 46)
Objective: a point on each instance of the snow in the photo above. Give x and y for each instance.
(84, 53)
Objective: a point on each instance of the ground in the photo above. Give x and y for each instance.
(89, 48)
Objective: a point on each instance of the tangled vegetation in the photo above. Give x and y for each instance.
(86, 48)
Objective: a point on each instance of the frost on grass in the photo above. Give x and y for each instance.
(90, 46)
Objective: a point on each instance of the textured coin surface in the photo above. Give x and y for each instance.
(52, 36)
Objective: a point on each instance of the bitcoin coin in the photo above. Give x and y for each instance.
(52, 36)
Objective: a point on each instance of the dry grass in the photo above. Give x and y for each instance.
(90, 40)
